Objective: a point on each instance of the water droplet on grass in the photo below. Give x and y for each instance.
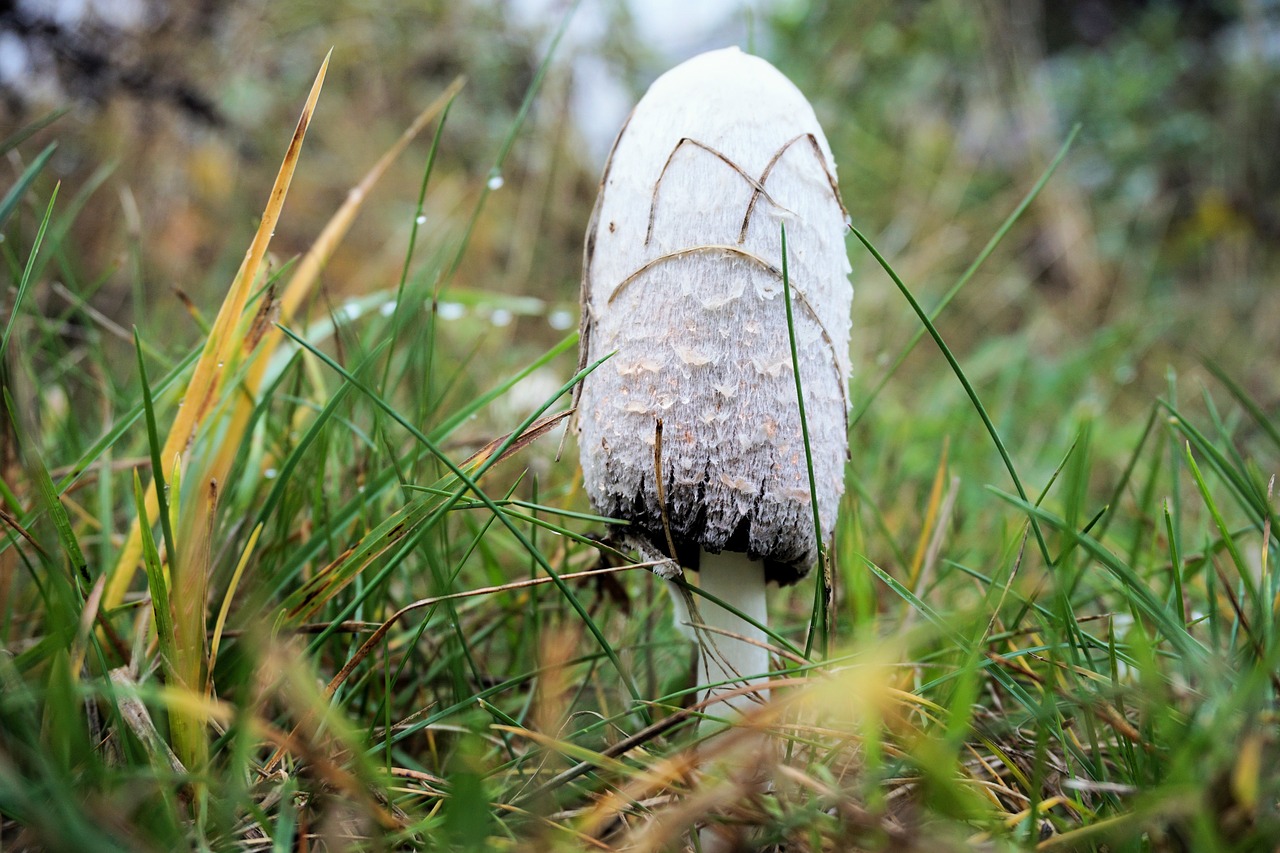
(496, 182)
(451, 310)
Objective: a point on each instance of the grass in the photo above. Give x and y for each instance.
(366, 607)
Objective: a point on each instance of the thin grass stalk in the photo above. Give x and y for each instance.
(24, 283)
(24, 133)
(413, 241)
(964, 381)
(973, 267)
(9, 203)
(210, 367)
(820, 621)
(477, 467)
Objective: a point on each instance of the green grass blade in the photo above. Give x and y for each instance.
(964, 381)
(21, 135)
(1228, 538)
(157, 467)
(25, 282)
(996, 239)
(413, 239)
(1266, 423)
(52, 503)
(1175, 565)
(161, 613)
(819, 627)
(9, 203)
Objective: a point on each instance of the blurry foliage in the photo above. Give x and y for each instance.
(190, 183)
(941, 114)
(1154, 245)
(1163, 220)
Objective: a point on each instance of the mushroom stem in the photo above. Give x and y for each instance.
(739, 582)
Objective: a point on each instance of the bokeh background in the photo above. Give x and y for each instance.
(1153, 247)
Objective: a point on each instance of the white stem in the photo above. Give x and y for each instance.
(739, 582)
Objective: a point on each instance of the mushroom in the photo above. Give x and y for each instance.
(691, 431)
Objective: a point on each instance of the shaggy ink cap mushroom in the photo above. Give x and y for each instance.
(682, 282)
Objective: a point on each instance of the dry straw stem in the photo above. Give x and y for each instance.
(376, 638)
(211, 365)
(308, 599)
(234, 338)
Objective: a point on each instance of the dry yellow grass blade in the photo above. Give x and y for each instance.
(189, 580)
(211, 366)
(300, 285)
(305, 276)
(260, 338)
(930, 518)
(216, 639)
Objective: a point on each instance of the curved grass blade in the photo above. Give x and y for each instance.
(820, 627)
(964, 381)
(10, 201)
(1138, 593)
(25, 282)
(995, 240)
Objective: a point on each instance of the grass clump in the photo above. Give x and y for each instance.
(315, 577)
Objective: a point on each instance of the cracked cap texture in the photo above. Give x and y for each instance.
(682, 283)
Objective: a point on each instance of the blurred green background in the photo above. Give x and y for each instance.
(1153, 247)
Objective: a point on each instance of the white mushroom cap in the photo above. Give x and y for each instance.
(682, 282)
